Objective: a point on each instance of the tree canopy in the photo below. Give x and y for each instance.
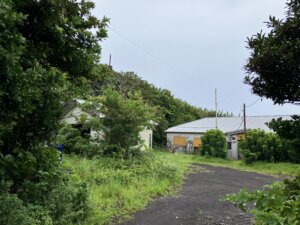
(48, 52)
(273, 67)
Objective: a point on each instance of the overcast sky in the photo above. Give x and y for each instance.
(191, 47)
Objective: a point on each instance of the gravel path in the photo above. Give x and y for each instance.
(199, 201)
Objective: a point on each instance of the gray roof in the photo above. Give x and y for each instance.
(225, 124)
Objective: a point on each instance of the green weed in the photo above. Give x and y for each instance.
(117, 187)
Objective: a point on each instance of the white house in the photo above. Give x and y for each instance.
(187, 137)
(73, 111)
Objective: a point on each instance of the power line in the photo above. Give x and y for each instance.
(229, 96)
(148, 52)
(162, 61)
(247, 106)
(242, 121)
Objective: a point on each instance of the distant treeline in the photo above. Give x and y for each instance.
(171, 111)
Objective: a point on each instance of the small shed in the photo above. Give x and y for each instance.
(73, 111)
(186, 137)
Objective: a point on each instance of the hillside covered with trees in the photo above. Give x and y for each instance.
(170, 111)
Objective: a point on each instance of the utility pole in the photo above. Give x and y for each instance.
(244, 113)
(110, 66)
(216, 103)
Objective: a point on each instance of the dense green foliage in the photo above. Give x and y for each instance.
(262, 146)
(120, 121)
(289, 131)
(119, 187)
(278, 203)
(48, 51)
(73, 142)
(273, 66)
(170, 111)
(53, 200)
(214, 144)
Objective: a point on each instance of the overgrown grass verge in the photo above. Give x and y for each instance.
(282, 168)
(119, 187)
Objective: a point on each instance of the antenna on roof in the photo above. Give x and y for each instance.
(216, 103)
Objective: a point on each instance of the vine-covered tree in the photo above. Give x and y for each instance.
(273, 67)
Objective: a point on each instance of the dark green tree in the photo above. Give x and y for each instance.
(273, 67)
(62, 34)
(289, 130)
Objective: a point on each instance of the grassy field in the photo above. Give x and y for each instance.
(119, 187)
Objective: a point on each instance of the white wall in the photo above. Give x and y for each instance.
(147, 137)
(233, 153)
(70, 117)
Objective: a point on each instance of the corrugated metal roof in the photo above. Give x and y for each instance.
(225, 124)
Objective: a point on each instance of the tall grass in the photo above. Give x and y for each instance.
(119, 187)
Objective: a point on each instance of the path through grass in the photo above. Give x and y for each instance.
(117, 187)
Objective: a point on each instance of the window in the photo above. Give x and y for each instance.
(197, 142)
(241, 137)
(179, 141)
(228, 145)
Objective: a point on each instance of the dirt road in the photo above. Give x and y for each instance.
(199, 201)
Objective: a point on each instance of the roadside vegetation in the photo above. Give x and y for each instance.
(118, 187)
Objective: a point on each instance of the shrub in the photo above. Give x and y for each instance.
(123, 118)
(13, 211)
(278, 203)
(262, 146)
(214, 144)
(73, 142)
(60, 200)
(289, 131)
